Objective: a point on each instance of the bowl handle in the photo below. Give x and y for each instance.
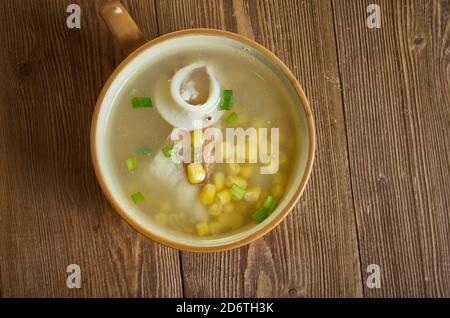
(123, 28)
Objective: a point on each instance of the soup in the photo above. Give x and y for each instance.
(199, 198)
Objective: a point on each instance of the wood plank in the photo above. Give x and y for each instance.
(314, 252)
(396, 96)
(52, 212)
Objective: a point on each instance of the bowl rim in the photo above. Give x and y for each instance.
(281, 215)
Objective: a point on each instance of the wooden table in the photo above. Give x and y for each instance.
(379, 193)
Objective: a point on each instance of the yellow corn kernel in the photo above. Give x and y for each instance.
(207, 194)
(196, 138)
(277, 191)
(165, 206)
(232, 169)
(215, 209)
(202, 229)
(236, 180)
(247, 171)
(196, 173)
(279, 178)
(219, 181)
(229, 207)
(224, 196)
(233, 220)
(252, 194)
(161, 218)
(215, 227)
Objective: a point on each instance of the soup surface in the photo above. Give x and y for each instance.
(231, 195)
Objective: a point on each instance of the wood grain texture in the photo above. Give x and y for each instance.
(379, 193)
(52, 211)
(314, 252)
(396, 96)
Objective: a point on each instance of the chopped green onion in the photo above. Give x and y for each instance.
(237, 191)
(131, 163)
(227, 100)
(260, 215)
(144, 150)
(232, 118)
(270, 203)
(137, 197)
(141, 102)
(168, 151)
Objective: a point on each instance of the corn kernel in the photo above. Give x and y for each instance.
(232, 169)
(207, 194)
(196, 173)
(219, 181)
(215, 209)
(277, 191)
(237, 180)
(202, 229)
(224, 196)
(229, 207)
(161, 218)
(252, 194)
(247, 171)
